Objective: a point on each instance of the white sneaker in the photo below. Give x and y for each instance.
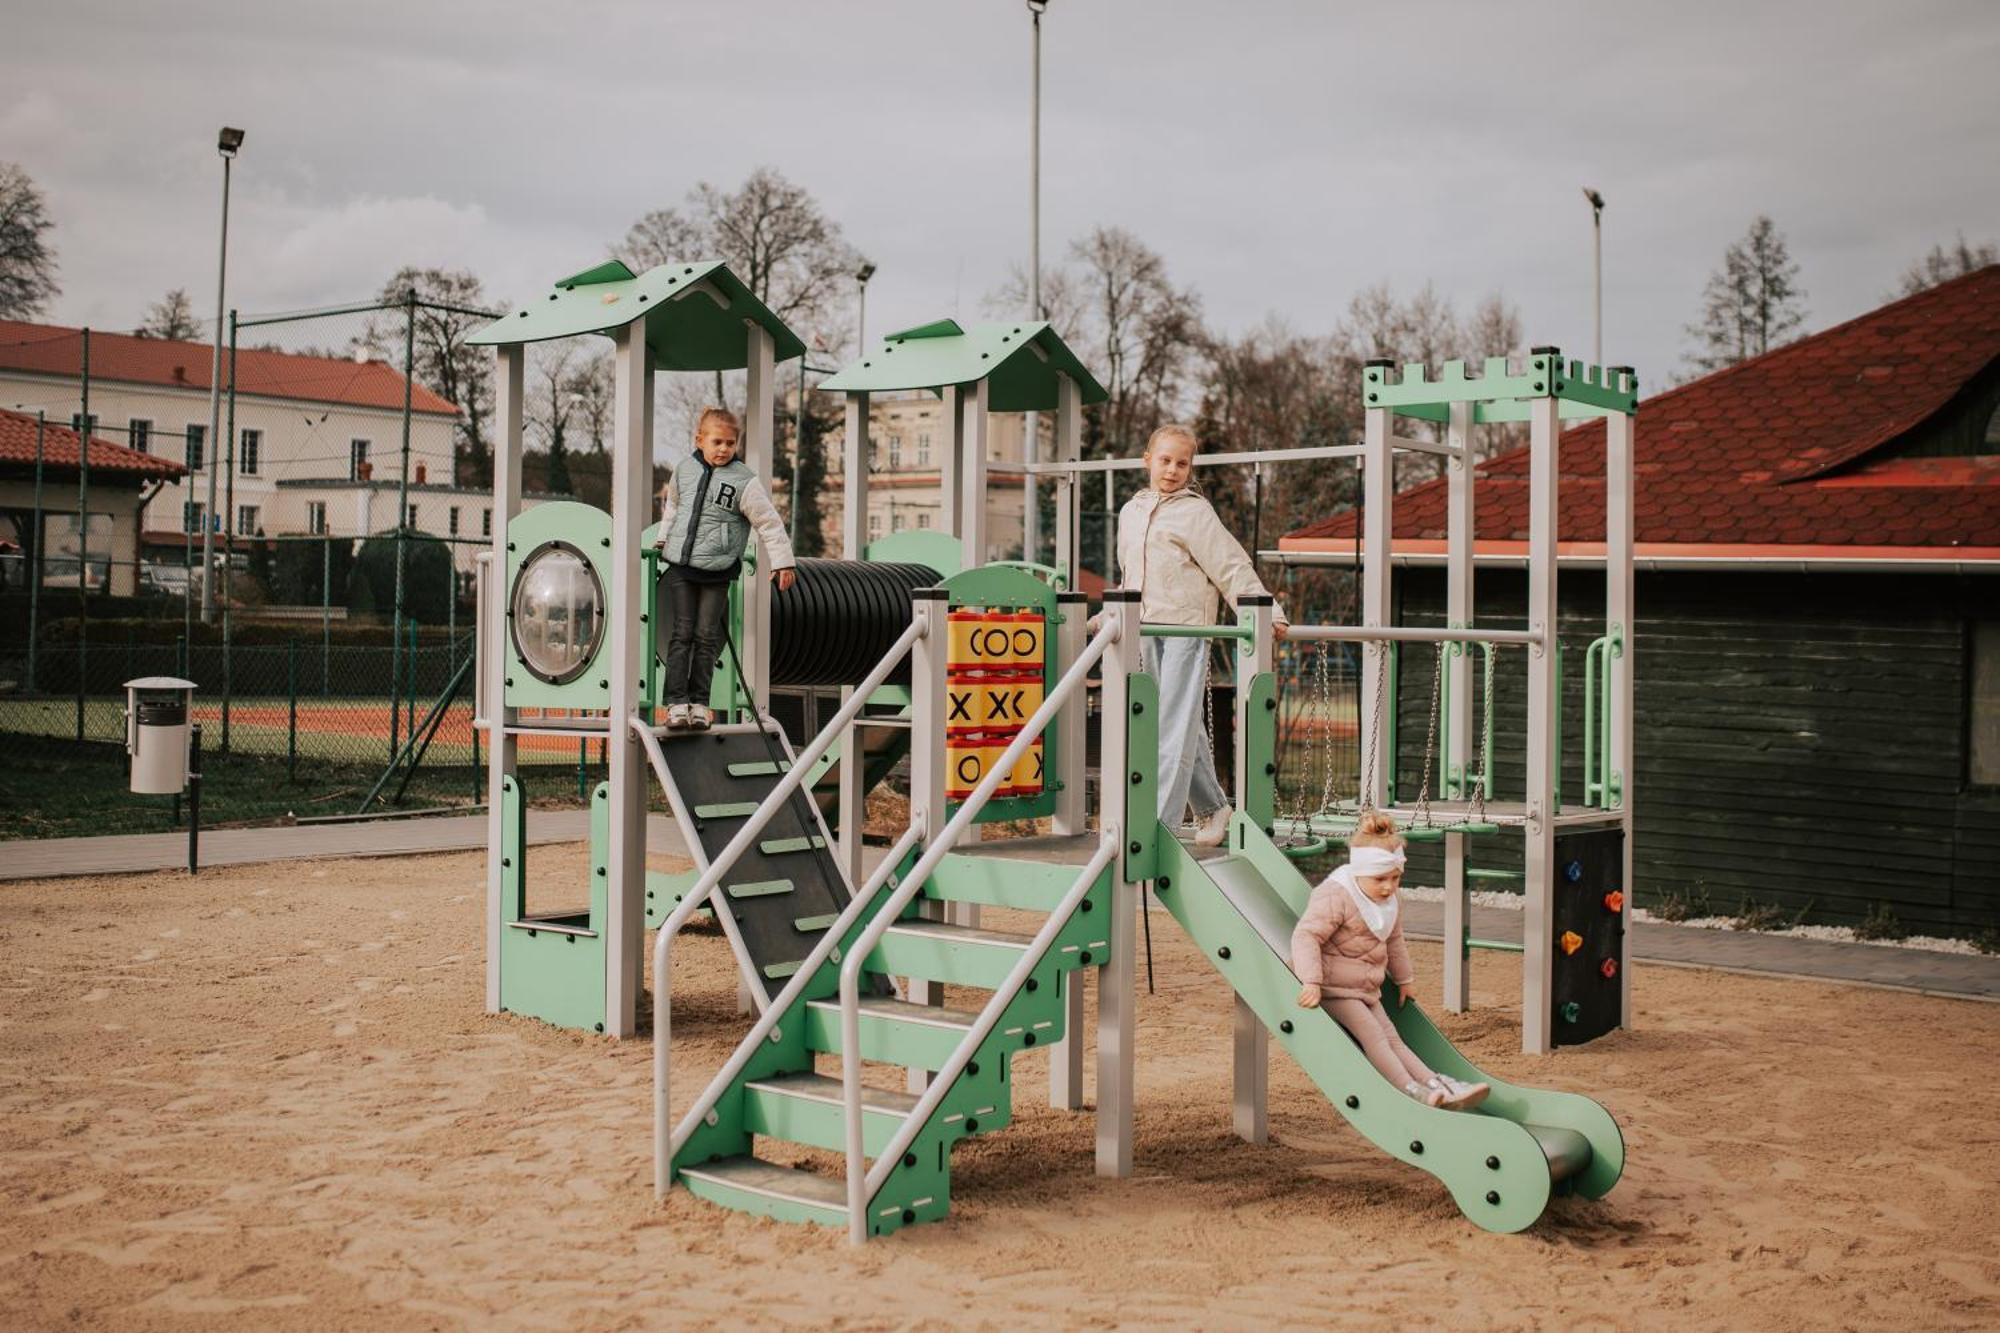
(1431, 1096)
(1458, 1095)
(699, 718)
(1214, 830)
(677, 717)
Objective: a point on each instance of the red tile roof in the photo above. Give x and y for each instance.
(59, 450)
(1774, 451)
(329, 380)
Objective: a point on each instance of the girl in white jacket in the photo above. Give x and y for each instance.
(1175, 552)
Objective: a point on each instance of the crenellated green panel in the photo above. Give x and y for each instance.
(1598, 389)
(1259, 800)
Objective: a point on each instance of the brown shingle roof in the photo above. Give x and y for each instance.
(59, 450)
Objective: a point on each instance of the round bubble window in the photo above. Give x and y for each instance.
(557, 612)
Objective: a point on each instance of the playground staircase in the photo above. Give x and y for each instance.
(1501, 1162)
(790, 1091)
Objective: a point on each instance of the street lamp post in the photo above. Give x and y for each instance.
(1596, 275)
(861, 276)
(226, 143)
(1031, 444)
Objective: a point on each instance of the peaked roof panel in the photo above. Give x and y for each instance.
(1019, 362)
(694, 312)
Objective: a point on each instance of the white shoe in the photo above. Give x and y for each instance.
(699, 718)
(677, 717)
(1431, 1096)
(1460, 1096)
(1214, 830)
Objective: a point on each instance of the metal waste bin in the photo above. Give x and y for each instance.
(156, 733)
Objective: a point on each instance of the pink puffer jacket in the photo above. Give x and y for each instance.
(1332, 948)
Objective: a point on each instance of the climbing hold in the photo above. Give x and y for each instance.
(1571, 941)
(1572, 1011)
(1573, 871)
(1609, 967)
(1614, 901)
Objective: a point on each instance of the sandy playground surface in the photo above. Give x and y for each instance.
(269, 1098)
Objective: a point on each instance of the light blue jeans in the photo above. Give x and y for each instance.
(1187, 763)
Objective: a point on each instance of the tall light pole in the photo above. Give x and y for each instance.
(1596, 275)
(226, 143)
(861, 276)
(1031, 444)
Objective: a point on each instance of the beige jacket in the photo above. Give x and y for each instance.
(1333, 949)
(1176, 553)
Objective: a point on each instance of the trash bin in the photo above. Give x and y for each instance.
(156, 733)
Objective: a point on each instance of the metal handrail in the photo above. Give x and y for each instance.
(1247, 633)
(790, 783)
(1412, 634)
(850, 971)
(862, 1187)
(829, 943)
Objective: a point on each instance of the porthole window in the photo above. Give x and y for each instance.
(557, 612)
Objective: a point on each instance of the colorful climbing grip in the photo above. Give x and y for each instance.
(1609, 967)
(1573, 871)
(1572, 1011)
(1614, 901)
(1571, 941)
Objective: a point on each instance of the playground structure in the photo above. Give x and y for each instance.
(994, 714)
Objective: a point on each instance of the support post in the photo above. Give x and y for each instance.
(1067, 763)
(1619, 605)
(1460, 611)
(508, 403)
(759, 435)
(972, 473)
(951, 468)
(1117, 980)
(853, 792)
(1068, 542)
(1378, 485)
(929, 607)
(1544, 703)
(1251, 1040)
(631, 505)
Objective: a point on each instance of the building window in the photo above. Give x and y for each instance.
(486, 522)
(923, 449)
(410, 518)
(357, 458)
(250, 452)
(1983, 708)
(76, 423)
(246, 520)
(895, 452)
(924, 519)
(191, 516)
(197, 441)
(896, 522)
(316, 517)
(454, 520)
(139, 434)
(874, 525)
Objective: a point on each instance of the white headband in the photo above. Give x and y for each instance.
(1375, 861)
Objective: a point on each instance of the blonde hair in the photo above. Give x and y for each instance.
(1375, 829)
(1174, 430)
(721, 414)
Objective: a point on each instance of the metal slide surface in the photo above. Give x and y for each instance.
(1501, 1162)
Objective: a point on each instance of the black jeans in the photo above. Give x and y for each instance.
(699, 612)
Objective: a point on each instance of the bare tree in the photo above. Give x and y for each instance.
(591, 382)
(449, 309)
(1752, 304)
(27, 259)
(1146, 332)
(171, 317)
(1943, 263)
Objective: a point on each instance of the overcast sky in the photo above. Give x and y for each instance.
(1280, 156)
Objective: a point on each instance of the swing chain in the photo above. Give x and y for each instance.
(1371, 751)
(1430, 740)
(1476, 812)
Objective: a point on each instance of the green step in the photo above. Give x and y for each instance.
(893, 1031)
(780, 846)
(758, 888)
(726, 810)
(779, 971)
(1001, 881)
(809, 924)
(768, 1190)
(937, 951)
(758, 768)
(809, 1109)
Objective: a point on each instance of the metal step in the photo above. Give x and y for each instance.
(937, 951)
(811, 1109)
(895, 1031)
(752, 1185)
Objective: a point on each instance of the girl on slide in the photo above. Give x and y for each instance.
(1347, 940)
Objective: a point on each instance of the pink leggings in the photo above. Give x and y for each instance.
(1369, 1023)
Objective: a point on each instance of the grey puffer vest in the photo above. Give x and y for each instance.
(709, 531)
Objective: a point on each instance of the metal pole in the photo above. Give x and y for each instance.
(194, 799)
(798, 448)
(36, 567)
(325, 612)
(229, 545)
(83, 540)
(1596, 201)
(1031, 444)
(402, 503)
(292, 709)
(215, 408)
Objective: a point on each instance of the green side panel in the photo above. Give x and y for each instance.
(1453, 1146)
(919, 546)
(664, 890)
(554, 976)
(1141, 784)
(1019, 362)
(995, 881)
(694, 314)
(1259, 801)
(588, 529)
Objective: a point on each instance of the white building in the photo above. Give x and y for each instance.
(318, 446)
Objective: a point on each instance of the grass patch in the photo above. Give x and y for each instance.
(1752, 915)
(1675, 905)
(1881, 923)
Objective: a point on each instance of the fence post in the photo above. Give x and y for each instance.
(83, 540)
(325, 611)
(228, 663)
(410, 679)
(181, 656)
(292, 709)
(38, 566)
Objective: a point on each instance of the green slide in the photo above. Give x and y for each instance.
(1501, 1162)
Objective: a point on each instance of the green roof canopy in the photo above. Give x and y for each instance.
(694, 313)
(1018, 362)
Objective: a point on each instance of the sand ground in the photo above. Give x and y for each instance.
(269, 1098)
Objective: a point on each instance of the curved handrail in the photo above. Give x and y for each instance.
(793, 779)
(850, 970)
(1048, 574)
